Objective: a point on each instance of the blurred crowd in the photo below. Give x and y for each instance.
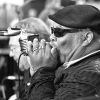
(11, 12)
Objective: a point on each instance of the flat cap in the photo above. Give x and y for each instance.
(78, 16)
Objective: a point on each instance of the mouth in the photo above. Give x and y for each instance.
(53, 44)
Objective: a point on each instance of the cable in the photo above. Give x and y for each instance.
(19, 73)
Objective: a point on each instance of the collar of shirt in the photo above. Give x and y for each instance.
(68, 64)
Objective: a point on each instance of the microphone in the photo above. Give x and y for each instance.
(10, 32)
(23, 42)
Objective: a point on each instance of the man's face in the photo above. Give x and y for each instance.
(15, 52)
(65, 43)
(14, 47)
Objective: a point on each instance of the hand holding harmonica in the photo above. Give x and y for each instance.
(41, 55)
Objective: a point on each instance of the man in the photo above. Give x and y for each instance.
(75, 45)
(31, 26)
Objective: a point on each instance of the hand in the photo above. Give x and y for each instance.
(43, 55)
(23, 65)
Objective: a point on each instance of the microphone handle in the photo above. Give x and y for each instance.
(12, 33)
(6, 33)
(2, 33)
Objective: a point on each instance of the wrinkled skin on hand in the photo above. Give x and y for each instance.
(42, 55)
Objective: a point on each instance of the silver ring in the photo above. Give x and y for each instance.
(35, 49)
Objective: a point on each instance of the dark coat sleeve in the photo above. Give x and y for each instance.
(42, 87)
(69, 87)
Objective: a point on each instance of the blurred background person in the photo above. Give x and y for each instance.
(8, 16)
(31, 26)
(32, 8)
(51, 7)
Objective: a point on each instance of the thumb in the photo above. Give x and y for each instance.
(54, 52)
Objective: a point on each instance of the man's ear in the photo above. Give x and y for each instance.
(87, 38)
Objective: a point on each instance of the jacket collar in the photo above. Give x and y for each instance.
(68, 64)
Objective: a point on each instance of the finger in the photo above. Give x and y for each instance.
(48, 50)
(42, 43)
(42, 47)
(54, 52)
(35, 46)
(30, 47)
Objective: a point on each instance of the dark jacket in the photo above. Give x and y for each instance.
(81, 79)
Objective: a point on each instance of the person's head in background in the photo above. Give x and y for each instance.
(31, 26)
(51, 7)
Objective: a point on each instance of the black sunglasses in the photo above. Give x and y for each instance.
(59, 32)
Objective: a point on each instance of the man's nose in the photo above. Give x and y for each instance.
(53, 38)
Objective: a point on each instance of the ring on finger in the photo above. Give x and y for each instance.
(35, 49)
